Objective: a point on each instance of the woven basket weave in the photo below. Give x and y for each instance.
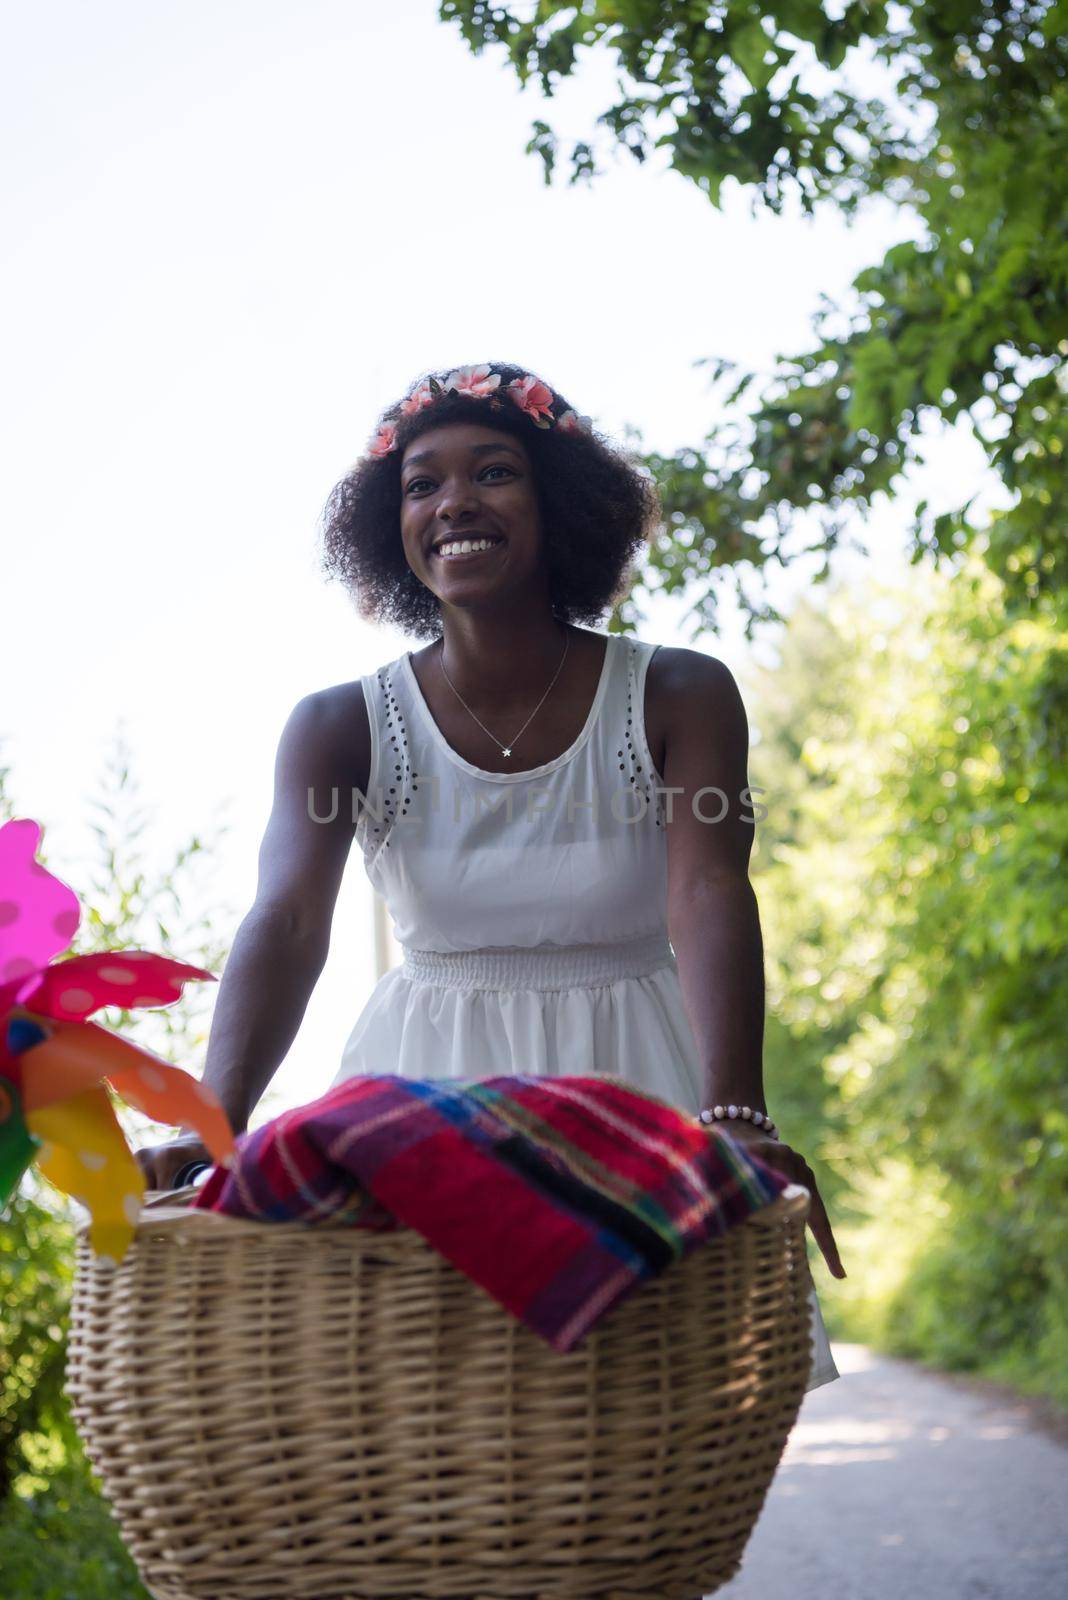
(284, 1412)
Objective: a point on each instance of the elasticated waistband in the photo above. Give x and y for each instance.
(555, 966)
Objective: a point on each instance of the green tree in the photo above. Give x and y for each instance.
(970, 139)
(913, 892)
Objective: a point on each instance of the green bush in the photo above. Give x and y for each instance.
(63, 1544)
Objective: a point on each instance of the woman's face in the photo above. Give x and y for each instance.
(463, 481)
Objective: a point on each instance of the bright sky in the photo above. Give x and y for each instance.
(235, 232)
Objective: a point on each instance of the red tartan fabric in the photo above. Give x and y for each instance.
(557, 1196)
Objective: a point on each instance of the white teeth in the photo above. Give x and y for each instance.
(465, 546)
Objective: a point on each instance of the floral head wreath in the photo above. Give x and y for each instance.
(528, 393)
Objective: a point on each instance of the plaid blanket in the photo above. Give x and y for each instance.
(557, 1196)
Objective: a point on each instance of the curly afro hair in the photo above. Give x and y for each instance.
(598, 511)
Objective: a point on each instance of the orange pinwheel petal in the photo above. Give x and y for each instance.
(163, 1092)
(86, 1155)
(54, 1072)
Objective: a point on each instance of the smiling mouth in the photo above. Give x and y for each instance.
(483, 546)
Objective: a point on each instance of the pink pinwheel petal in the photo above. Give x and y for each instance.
(72, 990)
(10, 1069)
(38, 913)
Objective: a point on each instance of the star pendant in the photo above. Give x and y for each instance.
(506, 752)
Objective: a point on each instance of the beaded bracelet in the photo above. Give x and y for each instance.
(759, 1119)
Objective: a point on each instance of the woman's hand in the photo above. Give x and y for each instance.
(792, 1165)
(161, 1163)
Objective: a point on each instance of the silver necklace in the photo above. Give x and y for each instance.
(505, 749)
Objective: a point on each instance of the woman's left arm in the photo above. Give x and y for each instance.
(712, 916)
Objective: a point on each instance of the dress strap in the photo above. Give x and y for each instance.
(633, 758)
(391, 779)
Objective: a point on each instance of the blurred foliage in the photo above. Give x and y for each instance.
(36, 1267)
(968, 318)
(913, 742)
(62, 1544)
(128, 904)
(46, 1488)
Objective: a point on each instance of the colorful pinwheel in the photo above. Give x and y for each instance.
(55, 1065)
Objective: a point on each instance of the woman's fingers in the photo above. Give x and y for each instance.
(820, 1224)
(794, 1166)
(161, 1163)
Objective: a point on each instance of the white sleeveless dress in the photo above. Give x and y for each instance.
(531, 906)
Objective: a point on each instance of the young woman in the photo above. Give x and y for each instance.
(558, 820)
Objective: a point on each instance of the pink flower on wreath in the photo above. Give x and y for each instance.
(420, 396)
(533, 397)
(382, 441)
(572, 422)
(478, 382)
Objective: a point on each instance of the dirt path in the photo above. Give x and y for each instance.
(898, 1484)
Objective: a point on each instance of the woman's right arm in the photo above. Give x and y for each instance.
(281, 945)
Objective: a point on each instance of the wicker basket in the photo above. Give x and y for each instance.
(284, 1411)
